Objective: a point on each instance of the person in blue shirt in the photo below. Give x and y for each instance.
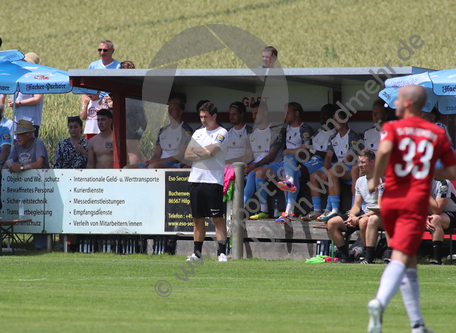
(105, 51)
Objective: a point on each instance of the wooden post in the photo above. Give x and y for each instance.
(119, 128)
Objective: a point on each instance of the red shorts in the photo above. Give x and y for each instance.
(405, 228)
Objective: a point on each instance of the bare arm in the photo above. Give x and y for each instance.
(91, 158)
(437, 205)
(445, 173)
(85, 104)
(381, 162)
(198, 154)
(4, 155)
(328, 159)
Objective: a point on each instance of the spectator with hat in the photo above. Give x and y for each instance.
(29, 152)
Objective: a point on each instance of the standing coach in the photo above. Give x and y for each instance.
(207, 151)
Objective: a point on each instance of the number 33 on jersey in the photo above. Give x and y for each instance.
(417, 145)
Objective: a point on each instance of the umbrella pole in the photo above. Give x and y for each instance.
(14, 123)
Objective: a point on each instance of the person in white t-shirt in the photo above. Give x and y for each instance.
(238, 135)
(91, 104)
(358, 217)
(371, 135)
(265, 146)
(207, 151)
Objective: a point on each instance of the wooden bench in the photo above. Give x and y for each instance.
(7, 230)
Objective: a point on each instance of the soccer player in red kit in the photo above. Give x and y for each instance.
(406, 155)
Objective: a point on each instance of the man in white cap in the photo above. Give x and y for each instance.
(29, 152)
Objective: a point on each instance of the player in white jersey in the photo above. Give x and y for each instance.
(372, 134)
(207, 151)
(358, 217)
(238, 135)
(443, 207)
(295, 140)
(319, 147)
(345, 146)
(263, 149)
(172, 140)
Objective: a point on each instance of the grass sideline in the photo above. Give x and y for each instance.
(307, 33)
(57, 292)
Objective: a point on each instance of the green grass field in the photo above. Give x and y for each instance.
(110, 293)
(332, 33)
(92, 293)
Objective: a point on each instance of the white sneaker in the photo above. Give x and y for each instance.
(422, 329)
(193, 257)
(222, 257)
(325, 213)
(375, 316)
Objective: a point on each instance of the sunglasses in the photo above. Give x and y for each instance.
(104, 50)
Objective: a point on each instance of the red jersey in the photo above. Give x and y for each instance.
(417, 145)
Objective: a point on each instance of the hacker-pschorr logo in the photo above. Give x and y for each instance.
(41, 77)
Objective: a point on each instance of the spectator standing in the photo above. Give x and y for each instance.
(105, 51)
(72, 153)
(207, 152)
(101, 146)
(29, 152)
(91, 104)
(268, 57)
(29, 106)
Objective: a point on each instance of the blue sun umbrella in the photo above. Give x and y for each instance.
(440, 87)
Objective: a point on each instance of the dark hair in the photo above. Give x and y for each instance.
(368, 153)
(261, 104)
(330, 109)
(436, 113)
(239, 106)
(271, 49)
(75, 119)
(296, 107)
(380, 103)
(209, 107)
(127, 64)
(104, 112)
(198, 105)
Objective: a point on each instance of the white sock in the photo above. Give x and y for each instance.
(264, 208)
(291, 179)
(290, 208)
(410, 290)
(335, 210)
(390, 282)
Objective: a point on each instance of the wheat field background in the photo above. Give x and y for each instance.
(65, 34)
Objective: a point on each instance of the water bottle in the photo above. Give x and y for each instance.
(108, 246)
(276, 209)
(21, 209)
